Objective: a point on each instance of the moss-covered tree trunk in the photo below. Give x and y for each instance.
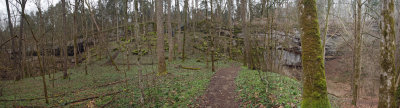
(315, 93)
(387, 98)
(160, 40)
(357, 54)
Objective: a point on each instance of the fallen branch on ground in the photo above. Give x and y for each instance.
(109, 102)
(62, 94)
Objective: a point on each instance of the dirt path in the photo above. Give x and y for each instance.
(221, 91)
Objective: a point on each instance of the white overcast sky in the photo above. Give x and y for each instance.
(31, 7)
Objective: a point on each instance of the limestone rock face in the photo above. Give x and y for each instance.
(290, 46)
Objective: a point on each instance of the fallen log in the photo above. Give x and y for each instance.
(189, 68)
(135, 64)
(94, 97)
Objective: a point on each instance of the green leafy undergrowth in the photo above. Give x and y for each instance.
(179, 88)
(277, 90)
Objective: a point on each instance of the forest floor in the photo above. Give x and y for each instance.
(104, 86)
(221, 90)
(339, 81)
(188, 84)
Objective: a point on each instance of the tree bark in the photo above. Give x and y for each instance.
(387, 98)
(64, 20)
(22, 39)
(178, 34)
(10, 26)
(315, 93)
(185, 13)
(247, 47)
(170, 38)
(230, 26)
(357, 54)
(160, 40)
(75, 33)
(43, 73)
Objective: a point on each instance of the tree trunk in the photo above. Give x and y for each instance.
(326, 27)
(38, 50)
(160, 40)
(230, 27)
(247, 47)
(178, 34)
(315, 93)
(10, 26)
(387, 98)
(170, 38)
(64, 19)
(43, 73)
(22, 39)
(357, 54)
(75, 33)
(185, 13)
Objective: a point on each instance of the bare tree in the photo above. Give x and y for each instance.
(22, 49)
(170, 38)
(185, 13)
(41, 26)
(247, 47)
(178, 18)
(75, 31)
(357, 54)
(230, 25)
(64, 20)
(10, 26)
(160, 40)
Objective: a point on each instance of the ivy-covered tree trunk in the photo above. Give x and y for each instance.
(160, 40)
(357, 54)
(387, 98)
(315, 93)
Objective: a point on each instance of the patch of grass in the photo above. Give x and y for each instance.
(179, 88)
(277, 90)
